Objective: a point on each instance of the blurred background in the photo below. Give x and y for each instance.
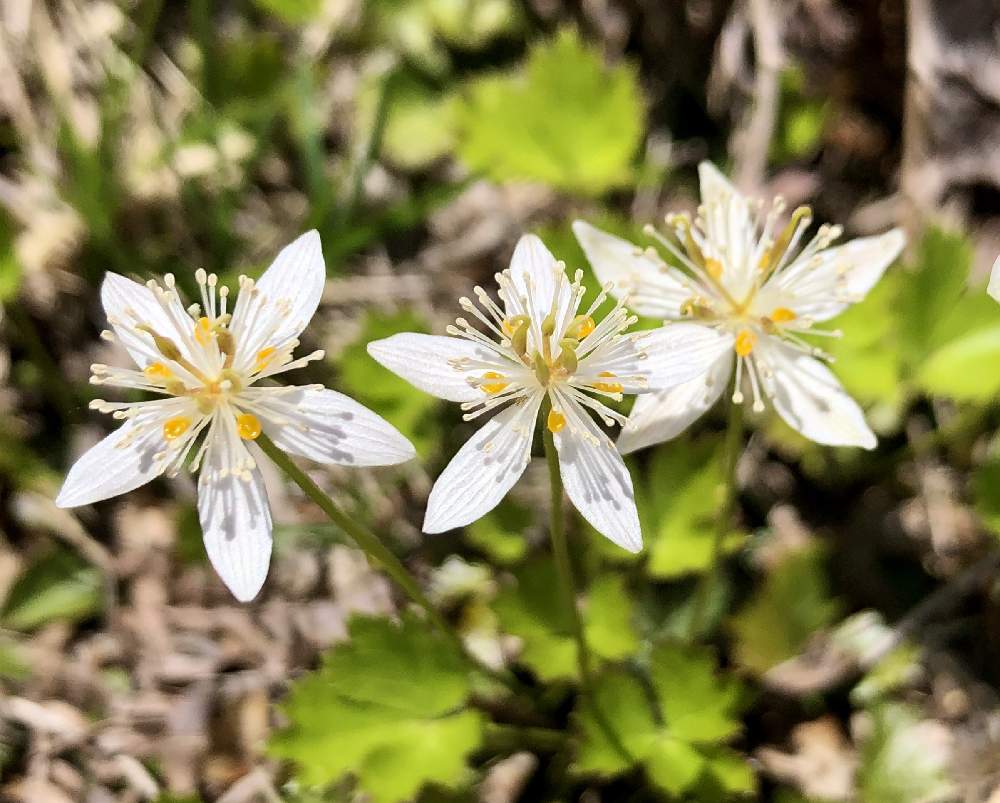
(853, 647)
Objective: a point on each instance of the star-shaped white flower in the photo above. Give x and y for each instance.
(211, 366)
(537, 344)
(752, 280)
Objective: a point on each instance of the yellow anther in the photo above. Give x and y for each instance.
(248, 426)
(264, 357)
(203, 330)
(782, 315)
(157, 372)
(493, 387)
(556, 421)
(713, 268)
(548, 324)
(581, 326)
(174, 427)
(745, 341)
(608, 387)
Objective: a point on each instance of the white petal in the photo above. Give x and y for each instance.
(128, 303)
(658, 417)
(484, 469)
(297, 275)
(729, 228)
(595, 477)
(649, 285)
(833, 279)
(680, 352)
(423, 361)
(534, 269)
(329, 427)
(235, 522)
(993, 288)
(811, 399)
(110, 468)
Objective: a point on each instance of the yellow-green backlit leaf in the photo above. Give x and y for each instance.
(567, 120)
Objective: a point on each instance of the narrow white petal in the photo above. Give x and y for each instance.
(484, 469)
(425, 362)
(729, 228)
(646, 282)
(811, 399)
(121, 462)
(235, 522)
(127, 304)
(329, 427)
(834, 278)
(532, 267)
(660, 416)
(993, 288)
(680, 352)
(297, 276)
(595, 477)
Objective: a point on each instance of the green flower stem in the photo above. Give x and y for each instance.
(379, 553)
(560, 550)
(731, 454)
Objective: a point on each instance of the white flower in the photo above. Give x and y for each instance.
(211, 365)
(536, 345)
(756, 284)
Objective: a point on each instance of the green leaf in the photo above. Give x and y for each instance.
(421, 127)
(729, 771)
(697, 705)
(58, 586)
(899, 763)
(930, 292)
(13, 663)
(625, 707)
(672, 761)
(678, 505)
(867, 358)
(566, 120)
(957, 369)
(292, 12)
(388, 708)
(414, 27)
(608, 618)
(673, 765)
(10, 267)
(801, 120)
(791, 605)
(533, 610)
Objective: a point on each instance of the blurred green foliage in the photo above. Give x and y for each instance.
(58, 585)
(790, 605)
(899, 763)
